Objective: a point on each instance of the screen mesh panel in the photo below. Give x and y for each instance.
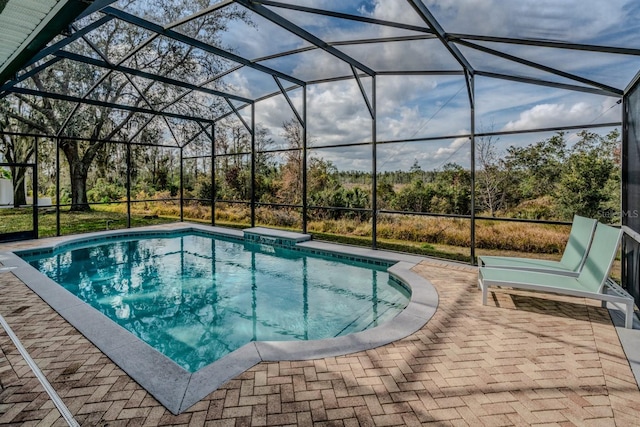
(631, 194)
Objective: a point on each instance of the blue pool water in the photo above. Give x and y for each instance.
(196, 298)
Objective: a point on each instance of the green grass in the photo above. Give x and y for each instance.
(12, 220)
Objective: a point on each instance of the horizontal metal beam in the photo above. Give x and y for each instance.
(545, 68)
(554, 129)
(422, 73)
(53, 138)
(454, 37)
(345, 43)
(146, 75)
(390, 141)
(530, 80)
(69, 39)
(98, 103)
(143, 23)
(200, 13)
(384, 40)
(304, 34)
(424, 139)
(483, 218)
(24, 76)
(350, 17)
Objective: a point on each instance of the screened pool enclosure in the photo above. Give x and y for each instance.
(444, 128)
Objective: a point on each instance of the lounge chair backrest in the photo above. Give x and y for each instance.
(600, 257)
(575, 253)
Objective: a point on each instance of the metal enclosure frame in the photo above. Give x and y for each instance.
(105, 12)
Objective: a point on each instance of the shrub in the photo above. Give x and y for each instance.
(278, 217)
(104, 191)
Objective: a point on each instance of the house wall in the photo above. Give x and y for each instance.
(6, 192)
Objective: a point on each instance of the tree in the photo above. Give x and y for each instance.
(233, 167)
(160, 164)
(590, 173)
(452, 190)
(321, 175)
(16, 149)
(120, 42)
(415, 197)
(491, 176)
(385, 192)
(291, 189)
(537, 167)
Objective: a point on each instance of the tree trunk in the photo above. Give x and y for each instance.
(79, 171)
(79, 201)
(19, 193)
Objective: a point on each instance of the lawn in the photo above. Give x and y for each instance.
(13, 220)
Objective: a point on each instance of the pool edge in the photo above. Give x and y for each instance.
(178, 389)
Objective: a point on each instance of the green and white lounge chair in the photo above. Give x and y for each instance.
(593, 281)
(575, 253)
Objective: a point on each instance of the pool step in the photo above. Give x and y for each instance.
(270, 236)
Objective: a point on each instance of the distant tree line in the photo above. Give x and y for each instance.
(552, 179)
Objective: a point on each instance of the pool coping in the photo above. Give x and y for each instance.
(174, 387)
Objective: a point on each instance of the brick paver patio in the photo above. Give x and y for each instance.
(521, 360)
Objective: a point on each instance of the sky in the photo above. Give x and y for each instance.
(411, 107)
(435, 107)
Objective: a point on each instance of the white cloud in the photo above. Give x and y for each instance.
(318, 64)
(453, 148)
(338, 114)
(550, 115)
(397, 11)
(419, 106)
(402, 89)
(502, 105)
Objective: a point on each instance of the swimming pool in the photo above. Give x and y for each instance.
(178, 388)
(197, 297)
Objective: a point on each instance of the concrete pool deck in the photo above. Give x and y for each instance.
(523, 359)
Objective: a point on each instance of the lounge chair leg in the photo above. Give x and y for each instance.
(485, 291)
(483, 286)
(628, 322)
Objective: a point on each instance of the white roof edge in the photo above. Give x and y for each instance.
(34, 33)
